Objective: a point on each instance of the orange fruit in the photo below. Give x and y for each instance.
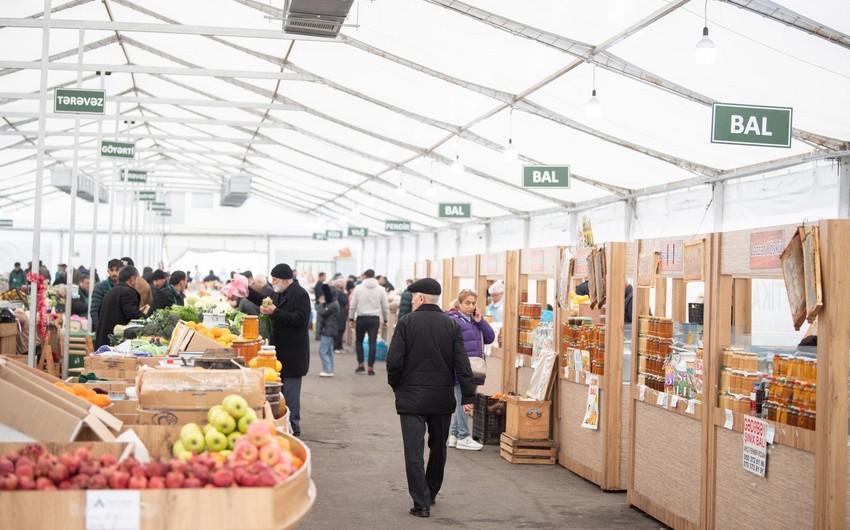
(79, 390)
(297, 462)
(90, 393)
(60, 384)
(101, 400)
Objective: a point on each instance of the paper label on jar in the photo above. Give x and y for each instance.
(643, 392)
(730, 419)
(691, 406)
(674, 400)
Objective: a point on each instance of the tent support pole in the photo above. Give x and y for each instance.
(92, 266)
(844, 187)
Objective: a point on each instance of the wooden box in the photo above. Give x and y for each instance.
(527, 419)
(526, 451)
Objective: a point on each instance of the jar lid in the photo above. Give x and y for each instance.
(250, 317)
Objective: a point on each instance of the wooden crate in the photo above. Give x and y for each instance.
(518, 451)
(527, 419)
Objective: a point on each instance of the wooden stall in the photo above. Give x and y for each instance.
(665, 466)
(494, 267)
(441, 270)
(599, 455)
(805, 482)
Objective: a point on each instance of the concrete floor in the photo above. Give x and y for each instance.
(350, 424)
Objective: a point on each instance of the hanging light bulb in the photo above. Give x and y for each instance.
(510, 154)
(593, 108)
(457, 166)
(705, 53)
(431, 190)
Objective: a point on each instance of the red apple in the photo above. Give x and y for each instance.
(137, 482)
(44, 483)
(83, 453)
(6, 466)
(245, 450)
(174, 479)
(270, 453)
(248, 480)
(107, 471)
(139, 470)
(223, 478)
(129, 464)
(33, 451)
(201, 471)
(107, 459)
(156, 468)
(26, 482)
(178, 465)
(70, 461)
(13, 456)
(284, 469)
(11, 482)
(119, 479)
(88, 467)
(58, 473)
(156, 483)
(82, 481)
(266, 479)
(24, 470)
(68, 485)
(192, 482)
(97, 482)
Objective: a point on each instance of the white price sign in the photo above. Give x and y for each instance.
(755, 445)
(113, 509)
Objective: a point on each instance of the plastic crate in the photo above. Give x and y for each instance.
(487, 426)
(695, 313)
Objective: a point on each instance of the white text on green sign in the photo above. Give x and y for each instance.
(461, 209)
(319, 236)
(397, 226)
(333, 234)
(78, 101)
(5, 223)
(136, 175)
(545, 176)
(117, 149)
(146, 195)
(357, 231)
(751, 125)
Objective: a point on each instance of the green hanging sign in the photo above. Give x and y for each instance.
(79, 101)
(461, 210)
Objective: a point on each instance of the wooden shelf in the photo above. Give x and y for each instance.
(802, 439)
(651, 398)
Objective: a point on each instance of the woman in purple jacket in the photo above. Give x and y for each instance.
(476, 333)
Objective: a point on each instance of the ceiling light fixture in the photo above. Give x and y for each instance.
(400, 191)
(593, 108)
(431, 190)
(510, 153)
(705, 54)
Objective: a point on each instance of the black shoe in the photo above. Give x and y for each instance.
(433, 501)
(296, 433)
(420, 512)
(371, 371)
(360, 369)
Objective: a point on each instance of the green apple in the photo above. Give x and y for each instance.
(225, 452)
(193, 441)
(215, 441)
(189, 427)
(235, 405)
(231, 438)
(213, 411)
(208, 427)
(246, 420)
(224, 422)
(177, 448)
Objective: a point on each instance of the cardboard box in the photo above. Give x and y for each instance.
(185, 339)
(283, 506)
(116, 366)
(177, 417)
(114, 387)
(193, 389)
(527, 419)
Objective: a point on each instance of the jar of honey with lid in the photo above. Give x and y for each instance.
(250, 327)
(267, 358)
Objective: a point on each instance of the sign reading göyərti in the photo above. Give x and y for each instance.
(117, 149)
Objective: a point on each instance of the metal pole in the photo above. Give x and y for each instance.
(39, 178)
(73, 221)
(124, 188)
(113, 187)
(92, 267)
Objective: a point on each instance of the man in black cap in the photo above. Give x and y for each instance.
(171, 294)
(100, 290)
(425, 356)
(290, 317)
(158, 280)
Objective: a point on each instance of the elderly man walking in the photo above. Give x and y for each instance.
(425, 356)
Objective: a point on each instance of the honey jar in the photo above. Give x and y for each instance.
(267, 358)
(250, 327)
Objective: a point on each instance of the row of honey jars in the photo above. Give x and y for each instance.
(530, 310)
(738, 360)
(656, 326)
(795, 368)
(651, 365)
(597, 367)
(528, 323)
(738, 383)
(655, 346)
(793, 416)
(794, 393)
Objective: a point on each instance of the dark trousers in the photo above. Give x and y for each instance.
(292, 395)
(424, 483)
(366, 325)
(343, 324)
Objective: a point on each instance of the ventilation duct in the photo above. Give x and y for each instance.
(316, 18)
(235, 190)
(61, 179)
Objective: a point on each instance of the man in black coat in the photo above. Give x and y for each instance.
(120, 305)
(342, 299)
(290, 317)
(171, 294)
(425, 356)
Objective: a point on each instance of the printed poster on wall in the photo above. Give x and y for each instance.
(755, 445)
(591, 413)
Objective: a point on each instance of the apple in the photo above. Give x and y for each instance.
(270, 453)
(6, 466)
(119, 480)
(97, 482)
(82, 481)
(192, 482)
(283, 469)
(156, 483)
(216, 441)
(224, 422)
(156, 468)
(177, 448)
(26, 483)
(189, 427)
(232, 437)
(223, 478)
(259, 433)
(58, 473)
(248, 480)
(11, 483)
(44, 483)
(83, 453)
(174, 479)
(213, 411)
(235, 405)
(107, 459)
(70, 461)
(226, 452)
(207, 428)
(266, 479)
(138, 482)
(245, 451)
(246, 420)
(88, 467)
(193, 440)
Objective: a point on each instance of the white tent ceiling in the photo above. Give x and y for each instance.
(216, 89)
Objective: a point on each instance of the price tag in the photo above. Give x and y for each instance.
(518, 361)
(674, 400)
(643, 392)
(113, 510)
(730, 419)
(690, 408)
(578, 376)
(566, 372)
(770, 432)
(662, 400)
(535, 361)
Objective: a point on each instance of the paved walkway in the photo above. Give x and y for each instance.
(349, 422)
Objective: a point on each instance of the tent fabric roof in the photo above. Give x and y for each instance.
(215, 89)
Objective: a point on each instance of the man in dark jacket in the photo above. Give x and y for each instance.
(100, 290)
(317, 292)
(328, 311)
(290, 315)
(425, 355)
(405, 306)
(120, 305)
(171, 294)
(80, 305)
(342, 300)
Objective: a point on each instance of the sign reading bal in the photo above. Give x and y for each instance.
(751, 125)
(455, 210)
(545, 176)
